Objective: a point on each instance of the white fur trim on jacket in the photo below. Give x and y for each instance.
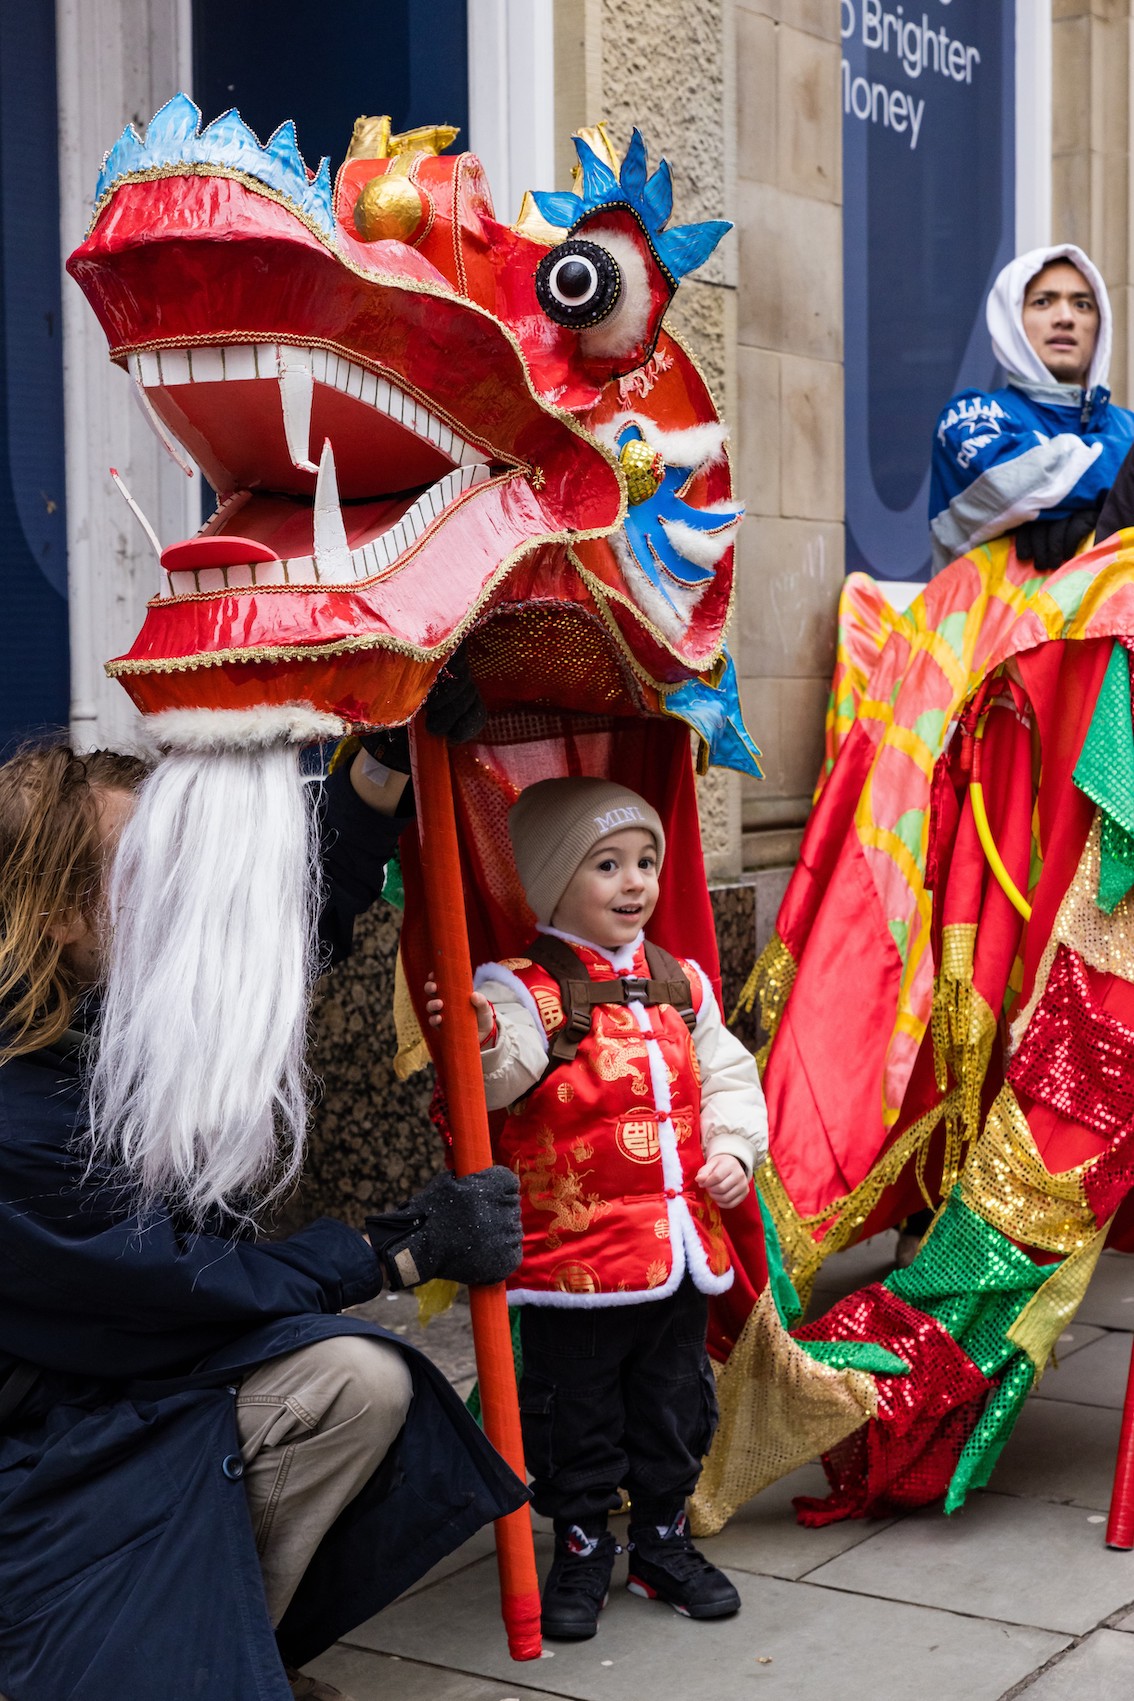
(240, 729)
(621, 960)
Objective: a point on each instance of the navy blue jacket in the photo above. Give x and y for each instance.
(127, 1562)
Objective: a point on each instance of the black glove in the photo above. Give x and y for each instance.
(390, 746)
(1049, 543)
(455, 708)
(466, 1230)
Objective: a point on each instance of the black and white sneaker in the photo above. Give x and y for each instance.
(665, 1566)
(578, 1584)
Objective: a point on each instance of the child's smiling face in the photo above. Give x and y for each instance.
(613, 892)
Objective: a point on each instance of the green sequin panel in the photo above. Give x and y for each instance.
(973, 1281)
(1105, 773)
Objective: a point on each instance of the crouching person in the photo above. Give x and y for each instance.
(207, 1472)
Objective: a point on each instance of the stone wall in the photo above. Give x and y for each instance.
(1092, 61)
(372, 1143)
(789, 423)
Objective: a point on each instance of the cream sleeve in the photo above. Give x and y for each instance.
(519, 1057)
(734, 1116)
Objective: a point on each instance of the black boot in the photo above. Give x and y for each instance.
(667, 1567)
(578, 1583)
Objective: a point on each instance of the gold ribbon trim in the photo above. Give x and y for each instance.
(1006, 1182)
(771, 981)
(1052, 1306)
(779, 1408)
(963, 1028)
(803, 1253)
(412, 1053)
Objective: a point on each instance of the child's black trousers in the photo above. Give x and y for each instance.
(616, 1396)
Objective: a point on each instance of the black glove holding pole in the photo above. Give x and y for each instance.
(464, 1229)
(1051, 543)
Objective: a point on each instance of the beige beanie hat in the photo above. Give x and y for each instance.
(554, 823)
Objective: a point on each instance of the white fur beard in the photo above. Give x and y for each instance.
(198, 1091)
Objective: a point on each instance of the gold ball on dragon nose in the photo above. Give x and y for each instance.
(644, 469)
(389, 209)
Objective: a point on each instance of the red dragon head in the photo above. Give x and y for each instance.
(422, 425)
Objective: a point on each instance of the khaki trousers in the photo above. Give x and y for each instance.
(314, 1427)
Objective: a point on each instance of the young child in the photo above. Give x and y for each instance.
(626, 1149)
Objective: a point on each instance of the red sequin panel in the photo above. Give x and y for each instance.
(906, 1455)
(1074, 1056)
(1108, 1181)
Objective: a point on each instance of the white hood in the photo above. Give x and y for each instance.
(1004, 314)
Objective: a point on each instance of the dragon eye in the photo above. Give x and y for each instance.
(578, 284)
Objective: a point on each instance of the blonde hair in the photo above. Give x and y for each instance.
(51, 869)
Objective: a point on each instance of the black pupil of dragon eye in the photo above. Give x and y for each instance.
(575, 279)
(578, 284)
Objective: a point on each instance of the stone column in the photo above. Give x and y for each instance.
(118, 61)
(790, 384)
(1092, 63)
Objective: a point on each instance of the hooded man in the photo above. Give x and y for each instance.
(1038, 456)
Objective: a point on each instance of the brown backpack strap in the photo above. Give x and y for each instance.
(666, 970)
(578, 993)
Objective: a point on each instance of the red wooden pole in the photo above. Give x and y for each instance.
(459, 1050)
(1120, 1525)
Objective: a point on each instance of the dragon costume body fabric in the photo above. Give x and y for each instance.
(961, 901)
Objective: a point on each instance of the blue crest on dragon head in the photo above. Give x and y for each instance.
(650, 197)
(174, 138)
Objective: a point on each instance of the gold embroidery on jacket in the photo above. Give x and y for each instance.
(572, 1211)
(551, 1012)
(612, 1058)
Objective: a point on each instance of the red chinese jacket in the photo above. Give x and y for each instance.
(607, 1147)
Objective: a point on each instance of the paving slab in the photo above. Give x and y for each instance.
(1062, 1452)
(790, 1642)
(1078, 1335)
(1094, 1376)
(1110, 1298)
(764, 1536)
(1021, 1561)
(870, 1261)
(1101, 1668)
(381, 1677)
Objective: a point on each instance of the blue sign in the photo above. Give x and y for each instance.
(34, 657)
(929, 193)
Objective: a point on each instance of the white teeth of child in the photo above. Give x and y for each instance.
(298, 370)
(328, 566)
